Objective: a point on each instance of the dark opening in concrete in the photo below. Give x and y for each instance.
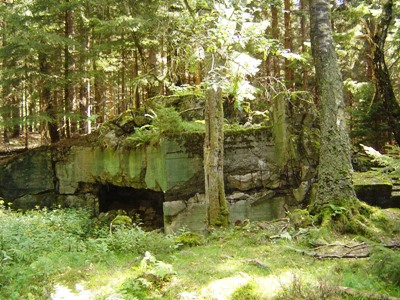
(148, 204)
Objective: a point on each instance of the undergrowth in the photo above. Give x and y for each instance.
(41, 250)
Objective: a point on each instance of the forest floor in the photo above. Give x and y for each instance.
(64, 255)
(34, 140)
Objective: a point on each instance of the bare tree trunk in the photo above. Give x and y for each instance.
(69, 68)
(136, 75)
(47, 100)
(303, 40)
(334, 169)
(214, 158)
(275, 36)
(384, 92)
(289, 76)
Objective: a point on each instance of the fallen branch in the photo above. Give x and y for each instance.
(258, 263)
(362, 245)
(318, 255)
(365, 294)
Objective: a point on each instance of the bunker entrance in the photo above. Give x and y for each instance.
(147, 204)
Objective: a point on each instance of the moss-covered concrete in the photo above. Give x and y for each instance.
(28, 173)
(373, 188)
(74, 175)
(152, 167)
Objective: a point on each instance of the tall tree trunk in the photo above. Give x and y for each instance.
(214, 158)
(303, 40)
(122, 104)
(334, 170)
(384, 92)
(69, 68)
(289, 76)
(152, 90)
(47, 100)
(275, 36)
(135, 76)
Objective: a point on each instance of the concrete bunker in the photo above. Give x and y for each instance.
(146, 203)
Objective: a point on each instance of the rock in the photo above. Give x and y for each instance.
(193, 217)
(302, 190)
(235, 196)
(260, 206)
(373, 188)
(172, 208)
(300, 218)
(245, 182)
(29, 173)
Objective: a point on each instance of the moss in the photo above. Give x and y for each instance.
(247, 291)
(300, 218)
(121, 220)
(189, 239)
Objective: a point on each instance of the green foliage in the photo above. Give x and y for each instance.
(168, 120)
(337, 210)
(39, 244)
(189, 239)
(151, 275)
(385, 264)
(248, 291)
(136, 241)
(142, 136)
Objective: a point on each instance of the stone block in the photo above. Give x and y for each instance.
(373, 188)
(193, 217)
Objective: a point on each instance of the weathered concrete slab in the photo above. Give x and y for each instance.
(373, 188)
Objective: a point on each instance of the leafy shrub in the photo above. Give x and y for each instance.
(151, 276)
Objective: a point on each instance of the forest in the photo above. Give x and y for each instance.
(70, 68)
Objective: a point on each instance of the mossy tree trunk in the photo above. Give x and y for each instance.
(335, 170)
(214, 158)
(384, 93)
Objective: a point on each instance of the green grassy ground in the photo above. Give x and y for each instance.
(64, 254)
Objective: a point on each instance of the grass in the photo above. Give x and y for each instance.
(64, 253)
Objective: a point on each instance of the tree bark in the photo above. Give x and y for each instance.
(69, 69)
(303, 40)
(275, 36)
(289, 75)
(384, 92)
(334, 170)
(47, 99)
(213, 158)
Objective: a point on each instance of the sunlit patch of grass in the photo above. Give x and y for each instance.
(231, 264)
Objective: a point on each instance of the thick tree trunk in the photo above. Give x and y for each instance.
(380, 73)
(213, 159)
(335, 169)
